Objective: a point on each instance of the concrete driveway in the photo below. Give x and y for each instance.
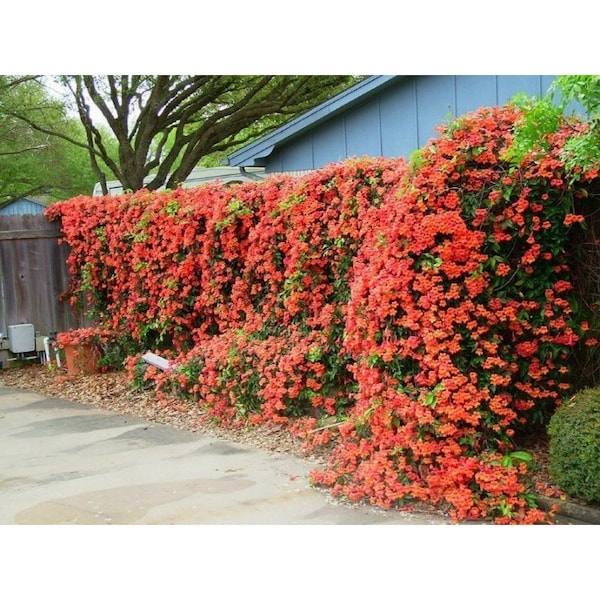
(66, 463)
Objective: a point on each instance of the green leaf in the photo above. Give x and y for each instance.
(521, 455)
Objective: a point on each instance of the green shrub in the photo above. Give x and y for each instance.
(116, 350)
(574, 432)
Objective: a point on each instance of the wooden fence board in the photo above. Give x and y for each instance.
(33, 275)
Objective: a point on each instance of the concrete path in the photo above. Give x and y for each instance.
(66, 463)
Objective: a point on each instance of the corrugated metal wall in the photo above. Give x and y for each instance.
(33, 274)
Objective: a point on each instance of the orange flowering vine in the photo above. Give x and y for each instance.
(427, 308)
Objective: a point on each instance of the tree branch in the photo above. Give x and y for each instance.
(24, 150)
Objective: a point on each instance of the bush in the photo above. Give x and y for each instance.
(574, 432)
(428, 307)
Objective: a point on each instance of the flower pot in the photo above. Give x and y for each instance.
(81, 359)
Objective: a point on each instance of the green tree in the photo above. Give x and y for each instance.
(584, 90)
(568, 94)
(166, 125)
(33, 162)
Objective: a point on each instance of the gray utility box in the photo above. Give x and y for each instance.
(21, 338)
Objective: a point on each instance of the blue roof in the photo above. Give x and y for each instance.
(253, 154)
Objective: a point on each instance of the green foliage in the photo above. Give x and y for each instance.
(582, 151)
(543, 117)
(137, 375)
(116, 351)
(32, 163)
(574, 432)
(584, 89)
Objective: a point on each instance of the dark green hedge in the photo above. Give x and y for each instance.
(574, 432)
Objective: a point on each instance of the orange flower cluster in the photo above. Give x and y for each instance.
(461, 306)
(85, 336)
(429, 308)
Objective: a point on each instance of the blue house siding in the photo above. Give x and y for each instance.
(470, 89)
(435, 104)
(23, 206)
(365, 118)
(327, 141)
(296, 154)
(400, 134)
(381, 116)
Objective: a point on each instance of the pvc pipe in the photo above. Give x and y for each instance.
(47, 348)
(57, 355)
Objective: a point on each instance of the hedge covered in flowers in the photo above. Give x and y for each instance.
(428, 308)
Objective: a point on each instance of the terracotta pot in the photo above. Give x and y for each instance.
(81, 359)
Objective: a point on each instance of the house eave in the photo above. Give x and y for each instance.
(256, 153)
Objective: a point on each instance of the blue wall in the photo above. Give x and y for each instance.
(400, 118)
(24, 206)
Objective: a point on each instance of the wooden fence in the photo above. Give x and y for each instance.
(33, 275)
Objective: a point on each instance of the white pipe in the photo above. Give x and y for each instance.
(57, 356)
(47, 348)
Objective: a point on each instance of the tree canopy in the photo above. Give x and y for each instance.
(165, 125)
(32, 162)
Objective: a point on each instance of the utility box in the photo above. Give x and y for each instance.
(21, 338)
